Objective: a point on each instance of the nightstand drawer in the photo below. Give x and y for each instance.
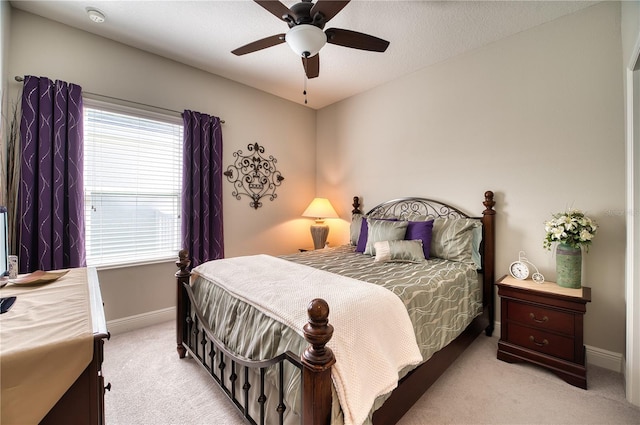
(541, 317)
(541, 341)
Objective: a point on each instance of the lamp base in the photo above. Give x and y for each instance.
(319, 233)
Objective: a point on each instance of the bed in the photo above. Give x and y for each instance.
(282, 364)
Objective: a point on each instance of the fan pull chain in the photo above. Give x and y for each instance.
(304, 92)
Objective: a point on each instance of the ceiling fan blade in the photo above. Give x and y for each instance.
(276, 8)
(259, 44)
(328, 8)
(311, 66)
(356, 40)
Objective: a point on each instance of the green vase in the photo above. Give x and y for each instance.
(568, 266)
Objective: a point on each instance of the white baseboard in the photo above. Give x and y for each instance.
(596, 356)
(605, 358)
(131, 323)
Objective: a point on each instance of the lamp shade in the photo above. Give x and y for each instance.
(306, 40)
(320, 208)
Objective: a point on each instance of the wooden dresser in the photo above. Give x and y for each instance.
(83, 403)
(49, 335)
(543, 324)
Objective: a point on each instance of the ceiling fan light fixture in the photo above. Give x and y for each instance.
(305, 40)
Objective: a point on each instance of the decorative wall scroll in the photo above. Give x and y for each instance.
(254, 175)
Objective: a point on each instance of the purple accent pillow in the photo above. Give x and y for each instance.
(420, 230)
(364, 231)
(362, 239)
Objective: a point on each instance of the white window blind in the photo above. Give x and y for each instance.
(132, 181)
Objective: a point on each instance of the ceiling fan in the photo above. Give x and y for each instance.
(306, 21)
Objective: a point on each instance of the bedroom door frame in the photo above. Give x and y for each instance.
(632, 291)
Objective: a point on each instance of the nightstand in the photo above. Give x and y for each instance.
(543, 324)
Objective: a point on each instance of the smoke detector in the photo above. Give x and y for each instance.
(95, 15)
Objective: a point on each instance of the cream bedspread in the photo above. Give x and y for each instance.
(361, 311)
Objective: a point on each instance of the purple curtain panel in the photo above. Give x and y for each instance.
(202, 232)
(51, 199)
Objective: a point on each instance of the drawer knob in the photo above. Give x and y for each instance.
(108, 387)
(539, 344)
(533, 317)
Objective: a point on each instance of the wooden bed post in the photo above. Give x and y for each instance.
(489, 254)
(356, 206)
(182, 277)
(317, 360)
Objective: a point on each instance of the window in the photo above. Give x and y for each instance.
(132, 184)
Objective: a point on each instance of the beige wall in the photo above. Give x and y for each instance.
(285, 129)
(537, 118)
(5, 25)
(630, 28)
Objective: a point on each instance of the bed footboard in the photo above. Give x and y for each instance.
(196, 339)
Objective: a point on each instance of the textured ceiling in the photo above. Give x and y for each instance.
(203, 33)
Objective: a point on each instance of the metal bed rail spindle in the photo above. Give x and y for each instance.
(281, 407)
(221, 367)
(246, 387)
(263, 397)
(232, 378)
(212, 361)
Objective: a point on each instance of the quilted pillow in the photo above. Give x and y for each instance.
(452, 239)
(399, 251)
(364, 231)
(476, 256)
(421, 230)
(383, 230)
(354, 229)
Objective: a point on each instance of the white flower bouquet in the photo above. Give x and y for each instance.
(572, 228)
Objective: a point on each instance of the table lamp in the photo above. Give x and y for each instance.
(320, 208)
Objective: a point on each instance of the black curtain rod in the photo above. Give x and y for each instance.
(21, 79)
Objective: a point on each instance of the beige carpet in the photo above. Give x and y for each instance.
(151, 385)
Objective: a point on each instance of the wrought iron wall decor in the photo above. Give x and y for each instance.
(253, 175)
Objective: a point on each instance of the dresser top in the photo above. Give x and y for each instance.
(47, 336)
(546, 287)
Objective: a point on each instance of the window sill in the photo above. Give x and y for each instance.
(134, 263)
